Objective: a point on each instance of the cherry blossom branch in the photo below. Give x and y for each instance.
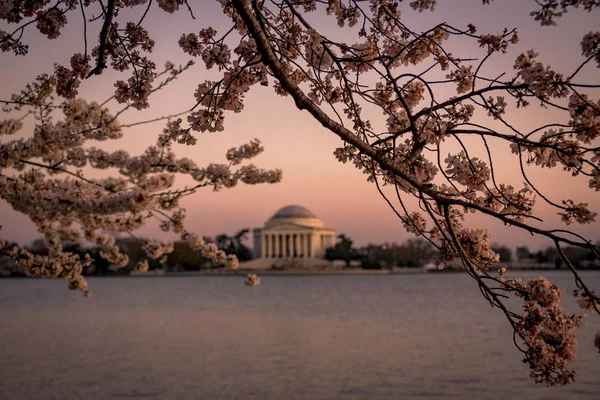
(108, 16)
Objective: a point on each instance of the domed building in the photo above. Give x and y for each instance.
(294, 236)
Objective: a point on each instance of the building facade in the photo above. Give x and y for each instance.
(293, 232)
(293, 237)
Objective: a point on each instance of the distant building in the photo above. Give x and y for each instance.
(293, 237)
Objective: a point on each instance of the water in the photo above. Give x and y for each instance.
(330, 337)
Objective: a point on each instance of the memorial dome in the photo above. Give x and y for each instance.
(296, 215)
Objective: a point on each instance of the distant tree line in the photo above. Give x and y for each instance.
(183, 257)
(419, 252)
(412, 253)
(579, 257)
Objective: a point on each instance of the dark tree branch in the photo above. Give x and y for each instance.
(101, 62)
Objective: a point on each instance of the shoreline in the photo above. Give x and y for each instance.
(345, 272)
(268, 272)
(291, 272)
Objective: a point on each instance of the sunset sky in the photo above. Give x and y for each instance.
(293, 141)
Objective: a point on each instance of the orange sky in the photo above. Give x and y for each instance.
(338, 193)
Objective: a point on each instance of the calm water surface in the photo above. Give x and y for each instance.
(343, 337)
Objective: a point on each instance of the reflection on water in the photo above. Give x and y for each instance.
(331, 337)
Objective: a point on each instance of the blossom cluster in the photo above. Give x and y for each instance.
(547, 331)
(50, 22)
(10, 126)
(506, 200)
(550, 10)
(495, 43)
(415, 223)
(471, 244)
(422, 5)
(210, 250)
(315, 52)
(463, 76)
(584, 117)
(473, 173)
(344, 13)
(590, 46)
(577, 212)
(228, 93)
(55, 264)
(543, 81)
(252, 280)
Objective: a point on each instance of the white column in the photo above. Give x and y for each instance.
(283, 245)
(277, 245)
(303, 244)
(307, 248)
(264, 245)
(272, 245)
(310, 245)
(294, 247)
(296, 252)
(322, 244)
